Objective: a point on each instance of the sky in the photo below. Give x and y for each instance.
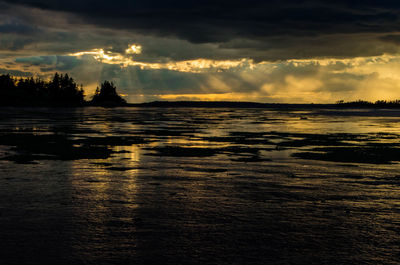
(288, 51)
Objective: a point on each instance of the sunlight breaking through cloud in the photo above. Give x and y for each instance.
(134, 49)
(191, 66)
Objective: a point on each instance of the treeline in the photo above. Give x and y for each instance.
(62, 90)
(376, 104)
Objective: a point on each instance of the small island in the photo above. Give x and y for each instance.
(61, 91)
(107, 96)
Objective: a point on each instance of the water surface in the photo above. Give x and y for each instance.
(199, 186)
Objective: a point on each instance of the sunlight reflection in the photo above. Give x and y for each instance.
(131, 153)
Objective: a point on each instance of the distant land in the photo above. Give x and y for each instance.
(239, 104)
(224, 104)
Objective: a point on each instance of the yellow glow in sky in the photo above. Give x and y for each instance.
(212, 97)
(134, 49)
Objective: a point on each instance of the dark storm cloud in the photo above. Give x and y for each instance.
(221, 21)
(51, 63)
(17, 28)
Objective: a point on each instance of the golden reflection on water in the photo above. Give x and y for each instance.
(193, 142)
(129, 153)
(103, 202)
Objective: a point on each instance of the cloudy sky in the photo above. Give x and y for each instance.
(267, 51)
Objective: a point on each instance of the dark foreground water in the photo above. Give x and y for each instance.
(199, 186)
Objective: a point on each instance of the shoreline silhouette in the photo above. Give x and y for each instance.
(63, 91)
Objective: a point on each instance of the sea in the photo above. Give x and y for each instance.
(135, 185)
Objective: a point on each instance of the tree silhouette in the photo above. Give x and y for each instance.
(7, 90)
(61, 91)
(107, 95)
(64, 90)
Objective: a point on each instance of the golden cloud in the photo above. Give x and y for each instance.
(192, 66)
